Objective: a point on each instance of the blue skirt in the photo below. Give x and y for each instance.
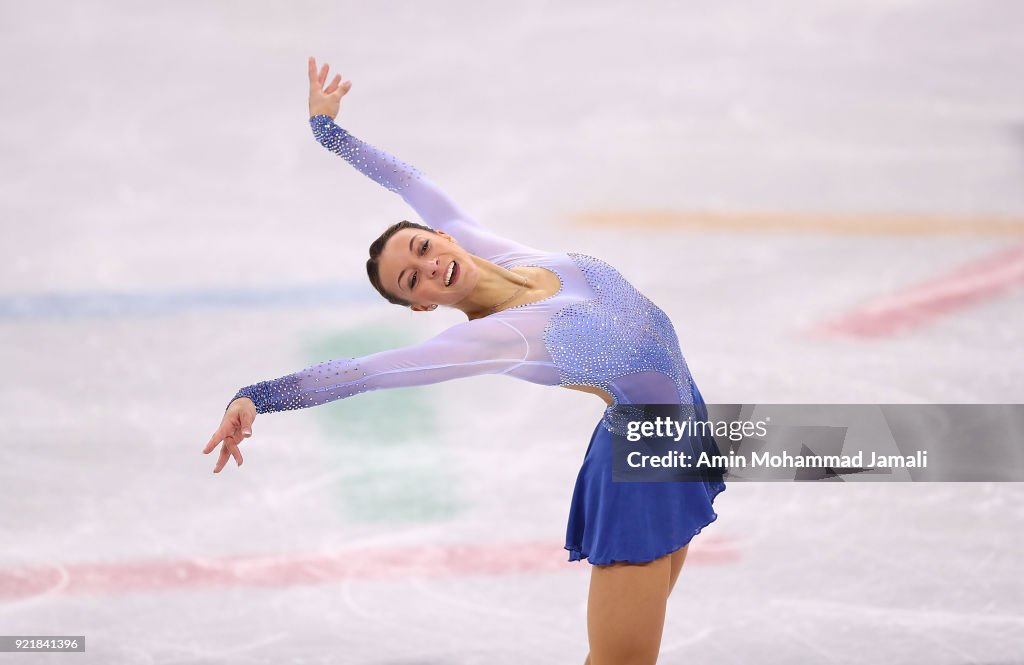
(634, 522)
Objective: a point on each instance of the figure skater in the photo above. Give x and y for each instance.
(556, 319)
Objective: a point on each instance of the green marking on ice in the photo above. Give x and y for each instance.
(398, 467)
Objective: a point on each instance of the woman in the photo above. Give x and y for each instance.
(557, 319)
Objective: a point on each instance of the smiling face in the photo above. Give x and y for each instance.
(426, 268)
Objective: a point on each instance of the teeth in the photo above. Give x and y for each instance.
(448, 275)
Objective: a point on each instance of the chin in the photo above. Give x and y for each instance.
(468, 277)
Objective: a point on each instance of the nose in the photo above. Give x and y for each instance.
(432, 266)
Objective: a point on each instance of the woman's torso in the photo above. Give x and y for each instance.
(596, 332)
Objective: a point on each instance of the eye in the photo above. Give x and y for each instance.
(412, 281)
(423, 247)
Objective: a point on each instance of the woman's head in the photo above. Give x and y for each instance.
(415, 266)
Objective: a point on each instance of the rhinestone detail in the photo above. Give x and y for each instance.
(617, 332)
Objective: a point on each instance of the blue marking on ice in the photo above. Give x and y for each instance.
(107, 304)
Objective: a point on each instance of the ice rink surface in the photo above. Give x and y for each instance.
(173, 232)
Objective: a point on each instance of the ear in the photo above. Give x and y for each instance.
(446, 236)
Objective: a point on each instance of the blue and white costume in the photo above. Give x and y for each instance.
(597, 330)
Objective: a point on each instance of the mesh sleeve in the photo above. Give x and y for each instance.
(483, 346)
(433, 206)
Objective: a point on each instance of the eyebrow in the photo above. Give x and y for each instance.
(403, 271)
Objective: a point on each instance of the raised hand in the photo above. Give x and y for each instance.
(325, 101)
(235, 427)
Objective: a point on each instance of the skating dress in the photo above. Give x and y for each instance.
(597, 330)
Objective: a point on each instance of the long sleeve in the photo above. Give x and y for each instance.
(433, 206)
(483, 346)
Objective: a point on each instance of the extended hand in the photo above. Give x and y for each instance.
(325, 101)
(235, 427)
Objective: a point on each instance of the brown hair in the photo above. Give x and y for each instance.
(376, 247)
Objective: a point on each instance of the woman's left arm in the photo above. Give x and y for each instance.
(482, 346)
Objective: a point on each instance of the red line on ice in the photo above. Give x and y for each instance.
(971, 283)
(288, 570)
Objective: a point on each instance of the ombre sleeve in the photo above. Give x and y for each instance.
(483, 346)
(434, 207)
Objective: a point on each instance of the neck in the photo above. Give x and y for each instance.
(495, 287)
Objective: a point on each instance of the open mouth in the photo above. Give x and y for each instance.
(452, 274)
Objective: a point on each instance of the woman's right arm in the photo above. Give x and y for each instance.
(432, 204)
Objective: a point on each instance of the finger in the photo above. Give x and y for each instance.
(323, 74)
(217, 437)
(313, 76)
(334, 84)
(233, 445)
(235, 452)
(224, 454)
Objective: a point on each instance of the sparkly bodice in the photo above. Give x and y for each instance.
(619, 341)
(615, 333)
(597, 330)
